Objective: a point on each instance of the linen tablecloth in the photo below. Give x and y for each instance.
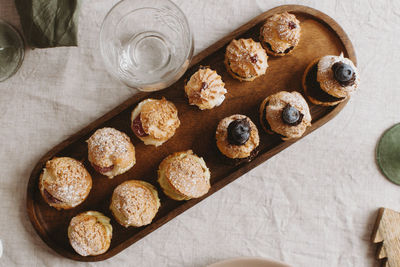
(314, 204)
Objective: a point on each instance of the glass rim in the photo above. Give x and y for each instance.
(22, 43)
(188, 56)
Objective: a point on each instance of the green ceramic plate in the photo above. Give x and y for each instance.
(388, 154)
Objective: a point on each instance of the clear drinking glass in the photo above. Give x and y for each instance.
(11, 50)
(146, 44)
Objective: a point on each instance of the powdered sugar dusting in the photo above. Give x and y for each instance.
(108, 144)
(188, 174)
(87, 235)
(326, 79)
(67, 180)
(135, 201)
(276, 103)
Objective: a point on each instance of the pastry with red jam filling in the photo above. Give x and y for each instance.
(111, 152)
(330, 80)
(286, 114)
(154, 121)
(245, 59)
(280, 34)
(64, 183)
(205, 89)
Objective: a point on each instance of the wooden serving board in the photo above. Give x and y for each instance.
(320, 36)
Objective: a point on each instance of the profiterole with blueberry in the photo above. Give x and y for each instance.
(330, 80)
(237, 138)
(286, 114)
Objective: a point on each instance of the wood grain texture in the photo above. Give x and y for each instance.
(387, 234)
(321, 35)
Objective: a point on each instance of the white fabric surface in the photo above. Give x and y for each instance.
(314, 204)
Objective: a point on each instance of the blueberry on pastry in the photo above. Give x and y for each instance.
(64, 183)
(205, 89)
(134, 203)
(245, 59)
(330, 80)
(184, 176)
(237, 137)
(286, 114)
(111, 152)
(154, 121)
(280, 34)
(90, 233)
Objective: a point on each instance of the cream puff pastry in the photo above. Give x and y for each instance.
(330, 80)
(237, 137)
(154, 121)
(90, 233)
(245, 59)
(134, 203)
(184, 176)
(111, 152)
(280, 34)
(205, 89)
(64, 183)
(286, 114)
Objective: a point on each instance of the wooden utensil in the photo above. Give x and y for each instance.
(387, 234)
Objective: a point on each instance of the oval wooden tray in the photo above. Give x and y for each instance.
(321, 35)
